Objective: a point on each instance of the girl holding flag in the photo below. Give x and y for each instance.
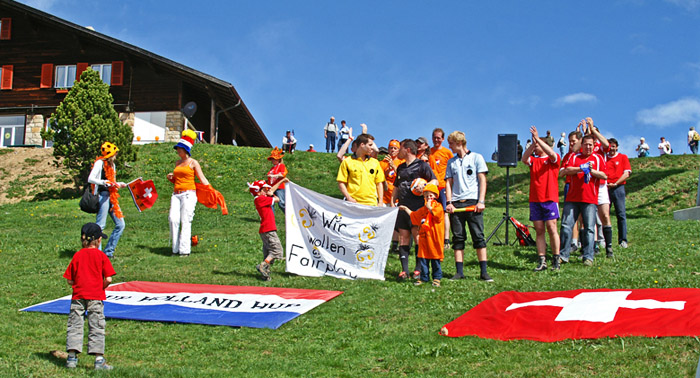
(104, 176)
(184, 198)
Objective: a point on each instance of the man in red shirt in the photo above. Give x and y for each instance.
(544, 196)
(586, 169)
(619, 170)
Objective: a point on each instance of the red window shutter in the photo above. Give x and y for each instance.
(6, 80)
(80, 67)
(117, 73)
(6, 28)
(46, 76)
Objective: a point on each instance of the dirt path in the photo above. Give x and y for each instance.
(29, 173)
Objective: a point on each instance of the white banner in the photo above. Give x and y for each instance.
(330, 237)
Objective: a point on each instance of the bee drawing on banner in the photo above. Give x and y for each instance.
(368, 233)
(307, 216)
(365, 256)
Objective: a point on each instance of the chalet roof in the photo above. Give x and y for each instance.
(222, 92)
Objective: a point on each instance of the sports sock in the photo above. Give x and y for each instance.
(607, 234)
(460, 268)
(415, 251)
(482, 265)
(404, 252)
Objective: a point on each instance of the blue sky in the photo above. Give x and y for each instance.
(406, 67)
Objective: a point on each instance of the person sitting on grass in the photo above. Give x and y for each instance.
(89, 273)
(431, 234)
(272, 247)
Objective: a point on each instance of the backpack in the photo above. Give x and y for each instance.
(523, 233)
(696, 136)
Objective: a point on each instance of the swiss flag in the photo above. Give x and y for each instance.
(143, 193)
(582, 314)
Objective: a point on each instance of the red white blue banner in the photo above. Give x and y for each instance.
(236, 306)
(582, 314)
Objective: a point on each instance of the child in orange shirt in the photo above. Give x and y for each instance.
(276, 174)
(431, 234)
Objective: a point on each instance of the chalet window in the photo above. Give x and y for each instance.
(48, 143)
(65, 76)
(5, 28)
(12, 130)
(105, 71)
(6, 77)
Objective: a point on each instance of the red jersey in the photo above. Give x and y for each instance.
(544, 178)
(88, 269)
(617, 165)
(276, 170)
(580, 191)
(263, 204)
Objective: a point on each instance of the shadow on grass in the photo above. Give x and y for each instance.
(163, 251)
(67, 253)
(494, 265)
(649, 178)
(65, 193)
(48, 356)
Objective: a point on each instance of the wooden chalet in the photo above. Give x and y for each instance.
(42, 55)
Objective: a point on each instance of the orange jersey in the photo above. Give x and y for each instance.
(390, 177)
(431, 231)
(438, 162)
(184, 178)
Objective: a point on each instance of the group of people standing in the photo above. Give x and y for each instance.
(437, 190)
(595, 176)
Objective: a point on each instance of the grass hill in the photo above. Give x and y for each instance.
(377, 328)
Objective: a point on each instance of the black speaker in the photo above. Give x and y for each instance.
(507, 150)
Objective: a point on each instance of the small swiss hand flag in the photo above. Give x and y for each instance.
(582, 314)
(143, 193)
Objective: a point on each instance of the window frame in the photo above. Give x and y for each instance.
(66, 75)
(107, 79)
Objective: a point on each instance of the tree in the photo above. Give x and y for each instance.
(82, 122)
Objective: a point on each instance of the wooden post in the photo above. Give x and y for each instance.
(212, 123)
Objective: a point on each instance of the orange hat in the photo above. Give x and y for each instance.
(431, 188)
(394, 143)
(108, 150)
(276, 154)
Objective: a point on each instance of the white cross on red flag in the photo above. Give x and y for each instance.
(143, 193)
(582, 314)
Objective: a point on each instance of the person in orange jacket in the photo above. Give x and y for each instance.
(431, 234)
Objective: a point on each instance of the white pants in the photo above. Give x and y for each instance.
(181, 213)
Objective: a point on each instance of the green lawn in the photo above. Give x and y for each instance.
(380, 328)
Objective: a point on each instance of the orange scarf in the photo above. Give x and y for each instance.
(113, 194)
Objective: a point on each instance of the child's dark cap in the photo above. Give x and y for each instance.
(91, 231)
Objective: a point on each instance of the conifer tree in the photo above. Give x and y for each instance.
(82, 122)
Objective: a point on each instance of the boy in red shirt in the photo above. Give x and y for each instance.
(544, 197)
(272, 247)
(89, 273)
(276, 174)
(431, 234)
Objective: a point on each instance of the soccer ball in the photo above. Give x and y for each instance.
(417, 186)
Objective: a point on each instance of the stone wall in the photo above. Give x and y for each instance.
(34, 124)
(173, 126)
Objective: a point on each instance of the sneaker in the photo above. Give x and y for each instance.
(72, 362)
(418, 283)
(587, 262)
(541, 266)
(264, 269)
(623, 244)
(101, 364)
(457, 276)
(402, 276)
(563, 260)
(609, 252)
(485, 277)
(416, 274)
(556, 263)
(436, 283)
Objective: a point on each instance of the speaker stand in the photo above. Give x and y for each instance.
(506, 215)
